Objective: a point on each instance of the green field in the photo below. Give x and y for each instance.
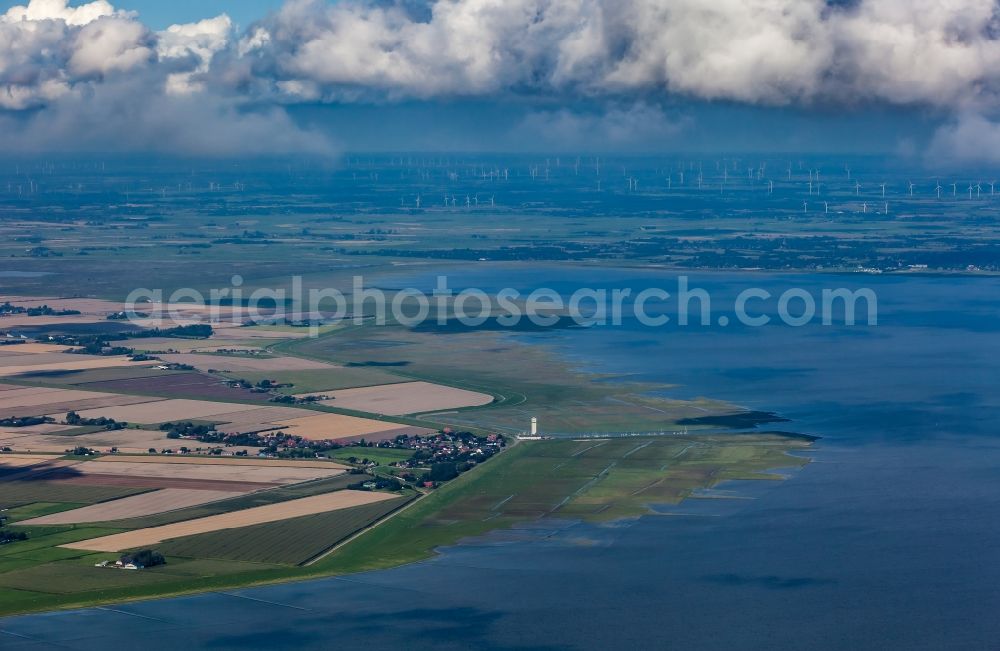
(314, 380)
(75, 377)
(289, 542)
(382, 456)
(590, 480)
(17, 493)
(250, 500)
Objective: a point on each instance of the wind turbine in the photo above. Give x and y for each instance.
(883, 190)
(911, 188)
(857, 188)
(938, 188)
(954, 189)
(970, 192)
(979, 190)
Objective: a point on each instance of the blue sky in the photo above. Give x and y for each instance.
(159, 14)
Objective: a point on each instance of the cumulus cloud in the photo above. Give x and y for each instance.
(617, 53)
(761, 51)
(92, 77)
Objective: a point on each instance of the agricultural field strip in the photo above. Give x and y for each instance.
(22, 460)
(38, 470)
(324, 426)
(294, 541)
(212, 472)
(210, 461)
(404, 398)
(171, 409)
(247, 517)
(160, 501)
(15, 359)
(101, 362)
(203, 361)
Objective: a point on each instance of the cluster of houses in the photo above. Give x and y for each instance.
(446, 445)
(135, 561)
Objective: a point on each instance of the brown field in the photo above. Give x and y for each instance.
(19, 320)
(264, 474)
(177, 385)
(236, 364)
(58, 409)
(34, 396)
(161, 501)
(236, 461)
(127, 441)
(66, 477)
(405, 398)
(259, 515)
(85, 363)
(32, 348)
(48, 467)
(84, 305)
(8, 461)
(10, 358)
(334, 426)
(173, 409)
(258, 420)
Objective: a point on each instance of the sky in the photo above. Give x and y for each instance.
(160, 14)
(913, 78)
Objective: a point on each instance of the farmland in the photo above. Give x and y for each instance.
(122, 503)
(237, 519)
(225, 521)
(589, 480)
(291, 541)
(408, 398)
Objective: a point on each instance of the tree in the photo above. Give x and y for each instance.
(443, 471)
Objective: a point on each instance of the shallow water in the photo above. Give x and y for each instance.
(888, 540)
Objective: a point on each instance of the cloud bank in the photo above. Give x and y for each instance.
(939, 54)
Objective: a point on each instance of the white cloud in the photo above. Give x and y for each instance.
(100, 80)
(58, 10)
(760, 51)
(196, 41)
(936, 53)
(109, 44)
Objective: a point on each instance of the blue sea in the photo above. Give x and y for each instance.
(890, 538)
